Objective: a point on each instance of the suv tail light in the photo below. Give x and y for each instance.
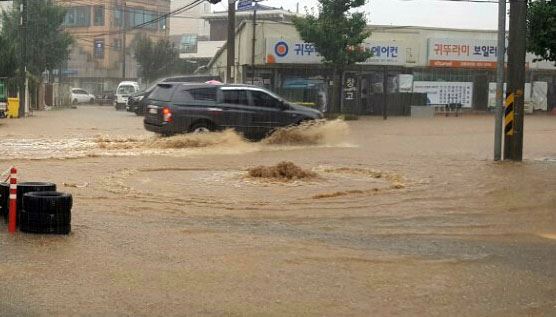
(167, 115)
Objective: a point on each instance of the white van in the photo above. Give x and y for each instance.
(124, 90)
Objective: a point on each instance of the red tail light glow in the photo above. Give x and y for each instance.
(167, 114)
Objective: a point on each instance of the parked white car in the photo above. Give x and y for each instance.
(79, 95)
(123, 92)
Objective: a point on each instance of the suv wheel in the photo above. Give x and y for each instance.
(201, 127)
(74, 101)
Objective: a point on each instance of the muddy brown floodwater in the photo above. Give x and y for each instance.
(405, 217)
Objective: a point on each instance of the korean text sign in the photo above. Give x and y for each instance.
(285, 51)
(472, 53)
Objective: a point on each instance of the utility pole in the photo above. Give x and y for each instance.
(230, 65)
(385, 93)
(498, 113)
(124, 39)
(23, 95)
(515, 101)
(254, 43)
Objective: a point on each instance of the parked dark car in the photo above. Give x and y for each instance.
(105, 98)
(197, 108)
(137, 102)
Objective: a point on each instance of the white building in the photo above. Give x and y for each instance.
(189, 21)
(188, 27)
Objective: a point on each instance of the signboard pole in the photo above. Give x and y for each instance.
(499, 114)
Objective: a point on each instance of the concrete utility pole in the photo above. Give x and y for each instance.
(124, 39)
(253, 48)
(23, 95)
(500, 74)
(515, 101)
(230, 65)
(385, 93)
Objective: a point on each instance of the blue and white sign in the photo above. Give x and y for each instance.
(284, 51)
(244, 5)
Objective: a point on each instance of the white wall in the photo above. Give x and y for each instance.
(189, 21)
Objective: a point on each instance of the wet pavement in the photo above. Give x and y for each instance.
(407, 217)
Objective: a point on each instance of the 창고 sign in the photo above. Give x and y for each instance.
(463, 53)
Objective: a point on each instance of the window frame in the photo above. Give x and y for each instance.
(97, 9)
(80, 16)
(246, 91)
(96, 53)
(277, 102)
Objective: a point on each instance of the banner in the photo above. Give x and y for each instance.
(463, 53)
(443, 93)
(284, 51)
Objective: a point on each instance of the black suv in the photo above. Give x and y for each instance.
(255, 112)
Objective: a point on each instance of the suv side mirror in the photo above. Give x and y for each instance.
(284, 106)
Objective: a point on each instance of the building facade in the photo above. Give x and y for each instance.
(218, 21)
(448, 65)
(104, 32)
(190, 23)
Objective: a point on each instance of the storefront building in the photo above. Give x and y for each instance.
(448, 65)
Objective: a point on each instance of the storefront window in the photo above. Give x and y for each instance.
(309, 91)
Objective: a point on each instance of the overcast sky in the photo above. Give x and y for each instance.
(436, 13)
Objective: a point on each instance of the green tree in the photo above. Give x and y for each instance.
(337, 33)
(156, 60)
(541, 23)
(8, 60)
(48, 46)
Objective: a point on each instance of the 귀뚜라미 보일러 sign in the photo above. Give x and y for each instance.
(462, 53)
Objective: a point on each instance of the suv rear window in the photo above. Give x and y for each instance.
(203, 94)
(163, 92)
(195, 94)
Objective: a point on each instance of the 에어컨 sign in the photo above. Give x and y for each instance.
(386, 53)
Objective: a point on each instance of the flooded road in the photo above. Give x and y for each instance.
(401, 217)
